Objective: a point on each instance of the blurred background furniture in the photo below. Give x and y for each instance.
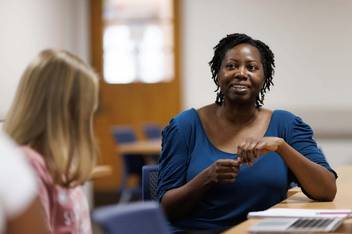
(142, 147)
(152, 131)
(132, 164)
(132, 218)
(149, 182)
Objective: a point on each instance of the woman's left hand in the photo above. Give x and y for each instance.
(250, 149)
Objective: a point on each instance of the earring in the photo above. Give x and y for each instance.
(219, 98)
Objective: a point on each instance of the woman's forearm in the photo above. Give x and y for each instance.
(180, 201)
(316, 180)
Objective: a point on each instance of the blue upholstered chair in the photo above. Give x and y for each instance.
(132, 218)
(132, 163)
(149, 182)
(152, 131)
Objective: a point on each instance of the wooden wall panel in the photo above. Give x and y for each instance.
(128, 104)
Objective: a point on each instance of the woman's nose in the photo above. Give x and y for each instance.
(241, 73)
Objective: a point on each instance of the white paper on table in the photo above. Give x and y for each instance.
(297, 213)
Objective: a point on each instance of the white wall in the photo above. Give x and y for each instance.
(29, 26)
(311, 41)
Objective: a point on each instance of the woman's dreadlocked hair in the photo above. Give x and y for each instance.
(267, 58)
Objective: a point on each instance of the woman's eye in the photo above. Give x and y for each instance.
(252, 67)
(231, 66)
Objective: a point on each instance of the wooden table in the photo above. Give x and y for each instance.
(151, 147)
(343, 200)
(101, 171)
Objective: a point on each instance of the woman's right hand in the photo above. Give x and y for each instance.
(223, 171)
(178, 202)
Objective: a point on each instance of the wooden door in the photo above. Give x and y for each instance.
(128, 104)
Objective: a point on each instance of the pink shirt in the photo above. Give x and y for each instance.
(67, 210)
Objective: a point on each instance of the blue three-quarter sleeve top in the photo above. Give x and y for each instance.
(186, 151)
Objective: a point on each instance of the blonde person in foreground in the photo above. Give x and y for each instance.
(51, 117)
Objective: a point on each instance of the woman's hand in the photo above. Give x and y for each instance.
(179, 202)
(250, 149)
(223, 171)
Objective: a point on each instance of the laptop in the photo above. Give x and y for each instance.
(296, 225)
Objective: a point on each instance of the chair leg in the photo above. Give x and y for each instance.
(126, 196)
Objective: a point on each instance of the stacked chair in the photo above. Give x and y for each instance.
(132, 164)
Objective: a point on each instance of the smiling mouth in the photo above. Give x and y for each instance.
(239, 88)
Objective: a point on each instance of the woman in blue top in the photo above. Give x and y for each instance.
(234, 156)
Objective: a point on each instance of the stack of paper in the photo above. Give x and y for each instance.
(298, 213)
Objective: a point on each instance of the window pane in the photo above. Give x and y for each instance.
(118, 55)
(138, 41)
(151, 55)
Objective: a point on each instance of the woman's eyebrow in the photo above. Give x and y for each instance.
(252, 61)
(232, 59)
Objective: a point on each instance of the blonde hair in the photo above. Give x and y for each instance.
(53, 113)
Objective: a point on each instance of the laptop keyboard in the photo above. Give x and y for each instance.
(308, 223)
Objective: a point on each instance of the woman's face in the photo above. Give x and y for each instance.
(241, 74)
